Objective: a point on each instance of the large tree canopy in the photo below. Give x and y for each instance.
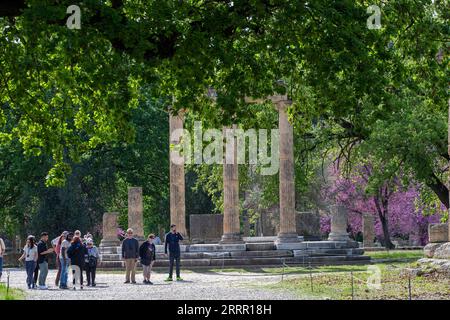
(380, 90)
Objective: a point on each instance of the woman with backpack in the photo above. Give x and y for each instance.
(147, 253)
(76, 253)
(30, 254)
(91, 259)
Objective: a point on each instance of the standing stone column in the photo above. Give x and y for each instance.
(136, 212)
(231, 224)
(288, 226)
(339, 221)
(177, 182)
(110, 225)
(368, 230)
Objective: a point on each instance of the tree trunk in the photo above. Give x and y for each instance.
(383, 215)
(387, 237)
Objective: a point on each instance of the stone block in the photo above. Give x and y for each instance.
(110, 225)
(430, 248)
(290, 245)
(368, 230)
(259, 239)
(206, 227)
(136, 212)
(443, 252)
(438, 232)
(160, 248)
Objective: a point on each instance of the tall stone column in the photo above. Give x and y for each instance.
(110, 225)
(177, 182)
(368, 230)
(231, 224)
(288, 226)
(136, 212)
(339, 221)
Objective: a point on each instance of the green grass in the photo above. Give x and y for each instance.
(338, 285)
(13, 294)
(396, 254)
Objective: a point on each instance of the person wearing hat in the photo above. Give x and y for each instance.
(173, 239)
(91, 259)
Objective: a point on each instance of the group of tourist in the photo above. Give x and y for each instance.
(80, 254)
(71, 250)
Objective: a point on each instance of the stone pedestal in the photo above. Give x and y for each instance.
(177, 179)
(110, 225)
(368, 230)
(136, 212)
(339, 221)
(288, 225)
(231, 223)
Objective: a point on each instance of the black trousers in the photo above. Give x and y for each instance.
(174, 258)
(90, 274)
(36, 273)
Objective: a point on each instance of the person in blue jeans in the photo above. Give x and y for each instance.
(30, 254)
(173, 239)
(65, 261)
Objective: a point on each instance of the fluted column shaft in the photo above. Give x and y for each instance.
(288, 227)
(231, 223)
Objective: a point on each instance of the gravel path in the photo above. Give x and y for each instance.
(196, 286)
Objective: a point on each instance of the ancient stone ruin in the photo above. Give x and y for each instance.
(215, 240)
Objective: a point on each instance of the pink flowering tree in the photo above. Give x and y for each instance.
(396, 209)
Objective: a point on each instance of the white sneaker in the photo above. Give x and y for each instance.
(43, 288)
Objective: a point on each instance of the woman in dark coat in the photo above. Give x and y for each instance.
(76, 253)
(147, 253)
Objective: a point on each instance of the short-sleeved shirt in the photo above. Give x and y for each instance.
(64, 245)
(42, 246)
(31, 254)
